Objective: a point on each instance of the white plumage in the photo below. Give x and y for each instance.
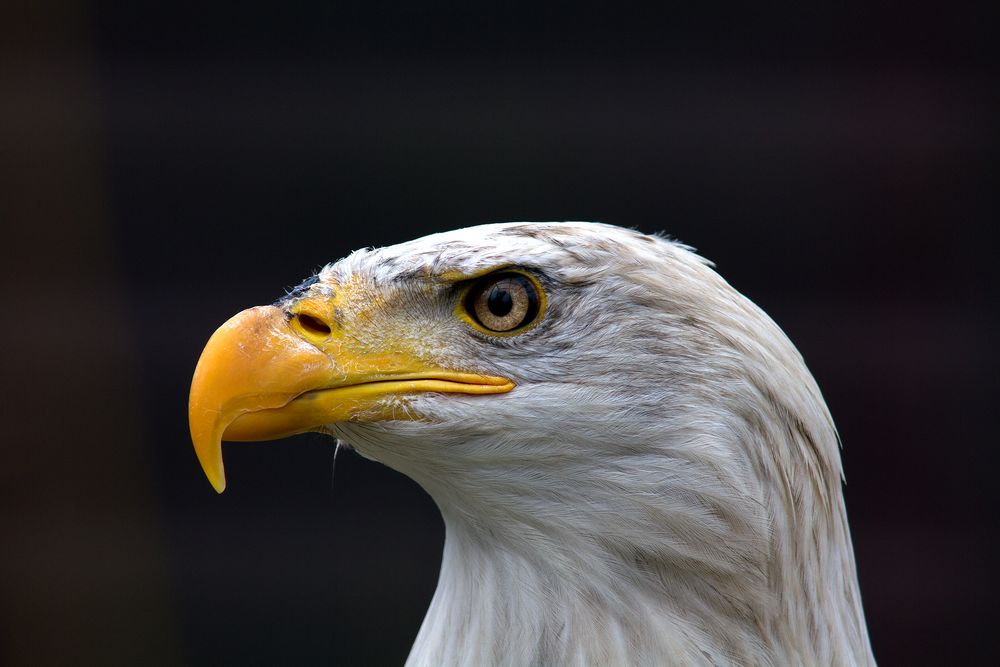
(663, 486)
(648, 475)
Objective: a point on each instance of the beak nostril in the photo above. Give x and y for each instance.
(313, 325)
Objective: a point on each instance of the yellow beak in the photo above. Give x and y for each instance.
(266, 374)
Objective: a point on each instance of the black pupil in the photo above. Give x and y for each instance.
(499, 301)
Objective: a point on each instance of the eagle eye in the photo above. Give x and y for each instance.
(503, 302)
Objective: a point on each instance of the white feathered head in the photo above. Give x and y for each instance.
(632, 460)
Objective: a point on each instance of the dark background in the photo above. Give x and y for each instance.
(165, 165)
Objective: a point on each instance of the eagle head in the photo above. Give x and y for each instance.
(632, 461)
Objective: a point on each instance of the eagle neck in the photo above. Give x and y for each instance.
(498, 604)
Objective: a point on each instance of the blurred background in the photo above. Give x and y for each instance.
(164, 165)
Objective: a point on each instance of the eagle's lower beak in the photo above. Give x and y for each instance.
(268, 373)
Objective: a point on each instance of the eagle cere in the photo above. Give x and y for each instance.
(633, 463)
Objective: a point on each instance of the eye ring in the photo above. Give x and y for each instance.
(503, 303)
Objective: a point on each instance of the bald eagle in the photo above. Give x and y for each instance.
(633, 464)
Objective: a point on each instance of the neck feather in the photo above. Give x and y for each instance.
(680, 573)
(498, 605)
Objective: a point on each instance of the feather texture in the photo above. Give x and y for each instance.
(662, 487)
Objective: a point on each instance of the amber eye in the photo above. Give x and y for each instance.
(503, 302)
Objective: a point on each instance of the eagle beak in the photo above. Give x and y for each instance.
(268, 373)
